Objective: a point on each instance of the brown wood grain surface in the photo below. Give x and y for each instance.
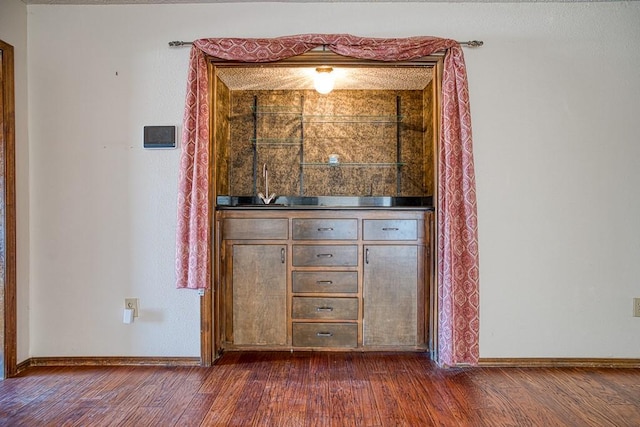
(321, 389)
(8, 289)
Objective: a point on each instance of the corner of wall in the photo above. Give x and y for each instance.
(13, 30)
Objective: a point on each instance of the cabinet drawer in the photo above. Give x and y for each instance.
(325, 281)
(325, 255)
(390, 229)
(325, 229)
(325, 334)
(255, 229)
(325, 308)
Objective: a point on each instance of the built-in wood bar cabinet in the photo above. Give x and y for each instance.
(324, 279)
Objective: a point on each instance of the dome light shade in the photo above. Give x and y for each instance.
(323, 81)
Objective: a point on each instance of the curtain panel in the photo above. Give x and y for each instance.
(458, 283)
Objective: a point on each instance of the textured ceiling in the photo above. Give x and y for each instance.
(288, 78)
(103, 2)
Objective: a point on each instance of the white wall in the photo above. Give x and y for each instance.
(104, 208)
(554, 96)
(13, 30)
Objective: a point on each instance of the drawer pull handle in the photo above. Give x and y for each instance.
(390, 229)
(325, 255)
(366, 256)
(324, 309)
(325, 229)
(324, 334)
(282, 259)
(324, 282)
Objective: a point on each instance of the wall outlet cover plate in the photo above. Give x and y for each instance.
(132, 303)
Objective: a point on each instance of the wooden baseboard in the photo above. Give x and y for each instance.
(108, 361)
(523, 362)
(554, 362)
(21, 367)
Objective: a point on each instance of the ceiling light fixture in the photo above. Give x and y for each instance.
(324, 80)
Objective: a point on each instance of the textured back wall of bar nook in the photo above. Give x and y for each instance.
(362, 127)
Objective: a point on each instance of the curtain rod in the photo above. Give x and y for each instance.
(470, 43)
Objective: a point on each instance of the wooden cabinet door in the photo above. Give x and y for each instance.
(390, 295)
(259, 294)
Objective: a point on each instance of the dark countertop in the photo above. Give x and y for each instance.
(324, 202)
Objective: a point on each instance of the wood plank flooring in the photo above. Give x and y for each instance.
(321, 389)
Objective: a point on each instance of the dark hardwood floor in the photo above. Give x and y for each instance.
(321, 389)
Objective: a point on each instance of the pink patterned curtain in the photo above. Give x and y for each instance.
(457, 218)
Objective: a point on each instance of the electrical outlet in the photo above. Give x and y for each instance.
(636, 307)
(132, 303)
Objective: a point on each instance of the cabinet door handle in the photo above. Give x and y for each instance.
(390, 229)
(325, 229)
(324, 334)
(324, 282)
(282, 255)
(324, 309)
(325, 255)
(366, 256)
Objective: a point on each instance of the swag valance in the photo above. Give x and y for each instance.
(458, 296)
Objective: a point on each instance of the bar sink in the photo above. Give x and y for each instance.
(293, 202)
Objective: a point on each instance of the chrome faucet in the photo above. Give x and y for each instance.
(374, 182)
(266, 198)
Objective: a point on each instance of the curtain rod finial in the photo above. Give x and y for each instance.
(474, 43)
(178, 43)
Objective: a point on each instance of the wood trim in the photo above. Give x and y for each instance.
(206, 329)
(211, 303)
(109, 361)
(194, 361)
(206, 300)
(8, 144)
(315, 58)
(554, 362)
(22, 366)
(435, 245)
